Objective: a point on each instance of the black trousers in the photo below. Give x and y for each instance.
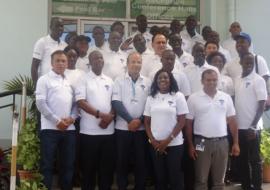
(131, 146)
(97, 161)
(63, 142)
(168, 168)
(188, 169)
(250, 162)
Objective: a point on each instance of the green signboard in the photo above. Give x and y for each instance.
(165, 9)
(91, 8)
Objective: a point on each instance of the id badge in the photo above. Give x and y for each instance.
(200, 147)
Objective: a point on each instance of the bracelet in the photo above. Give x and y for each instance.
(97, 114)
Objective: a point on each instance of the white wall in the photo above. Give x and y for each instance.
(22, 23)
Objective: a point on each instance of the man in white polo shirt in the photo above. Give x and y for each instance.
(44, 47)
(182, 58)
(194, 71)
(234, 69)
(209, 112)
(250, 96)
(114, 58)
(129, 97)
(54, 100)
(139, 44)
(82, 44)
(189, 35)
(96, 126)
(168, 64)
(153, 64)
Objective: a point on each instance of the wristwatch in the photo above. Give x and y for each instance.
(97, 114)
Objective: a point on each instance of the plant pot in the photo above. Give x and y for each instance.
(266, 173)
(27, 175)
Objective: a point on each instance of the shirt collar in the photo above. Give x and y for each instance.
(250, 76)
(128, 77)
(93, 75)
(202, 93)
(52, 40)
(55, 75)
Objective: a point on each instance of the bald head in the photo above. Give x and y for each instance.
(168, 60)
(235, 29)
(96, 61)
(134, 64)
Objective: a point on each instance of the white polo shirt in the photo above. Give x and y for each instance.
(148, 38)
(43, 49)
(194, 75)
(151, 64)
(74, 77)
(104, 47)
(83, 63)
(97, 91)
(115, 63)
(188, 42)
(226, 84)
(132, 95)
(234, 68)
(182, 82)
(210, 114)
(182, 61)
(163, 110)
(58, 94)
(226, 53)
(248, 91)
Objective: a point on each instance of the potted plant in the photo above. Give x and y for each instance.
(28, 150)
(265, 153)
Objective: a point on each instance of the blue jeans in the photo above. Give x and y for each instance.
(64, 143)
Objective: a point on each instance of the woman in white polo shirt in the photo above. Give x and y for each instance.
(164, 120)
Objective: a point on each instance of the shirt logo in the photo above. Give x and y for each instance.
(142, 86)
(107, 87)
(247, 84)
(221, 102)
(122, 60)
(170, 103)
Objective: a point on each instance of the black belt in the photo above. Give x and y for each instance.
(211, 138)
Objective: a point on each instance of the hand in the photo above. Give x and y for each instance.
(235, 150)
(125, 45)
(192, 152)
(251, 134)
(155, 143)
(106, 117)
(103, 124)
(68, 120)
(62, 125)
(163, 145)
(134, 125)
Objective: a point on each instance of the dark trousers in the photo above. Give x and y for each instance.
(168, 168)
(188, 169)
(250, 162)
(63, 142)
(131, 145)
(97, 161)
